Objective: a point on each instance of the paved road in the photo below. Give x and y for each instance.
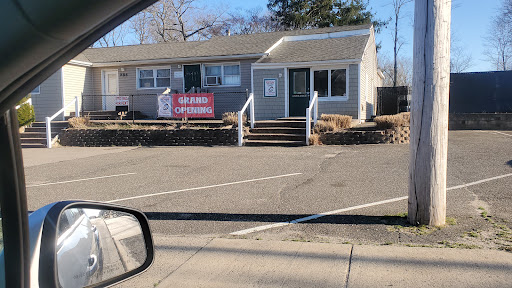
(311, 180)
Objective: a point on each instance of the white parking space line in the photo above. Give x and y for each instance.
(501, 133)
(316, 216)
(204, 187)
(78, 180)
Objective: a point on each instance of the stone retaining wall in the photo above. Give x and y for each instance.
(125, 137)
(481, 121)
(348, 137)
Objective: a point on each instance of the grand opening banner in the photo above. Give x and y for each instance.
(193, 105)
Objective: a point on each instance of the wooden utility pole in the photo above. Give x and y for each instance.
(429, 112)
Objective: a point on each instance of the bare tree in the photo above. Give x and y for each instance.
(140, 26)
(181, 20)
(161, 16)
(252, 21)
(397, 6)
(403, 69)
(499, 44)
(116, 37)
(460, 59)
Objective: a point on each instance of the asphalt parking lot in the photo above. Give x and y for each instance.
(356, 193)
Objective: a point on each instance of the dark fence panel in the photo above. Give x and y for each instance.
(483, 92)
(392, 100)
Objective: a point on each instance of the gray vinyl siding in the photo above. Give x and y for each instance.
(268, 108)
(77, 80)
(49, 100)
(348, 107)
(226, 99)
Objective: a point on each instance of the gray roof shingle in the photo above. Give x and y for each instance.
(219, 46)
(318, 50)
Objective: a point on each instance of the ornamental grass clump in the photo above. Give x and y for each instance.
(393, 121)
(332, 122)
(231, 118)
(79, 122)
(340, 121)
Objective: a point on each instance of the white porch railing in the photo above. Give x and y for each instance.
(313, 105)
(49, 139)
(250, 101)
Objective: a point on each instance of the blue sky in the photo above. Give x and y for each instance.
(470, 22)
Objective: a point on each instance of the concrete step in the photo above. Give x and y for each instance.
(33, 140)
(36, 134)
(276, 123)
(42, 129)
(54, 124)
(282, 143)
(287, 137)
(33, 145)
(303, 119)
(279, 130)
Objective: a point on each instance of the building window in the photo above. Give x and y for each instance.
(331, 83)
(225, 75)
(154, 78)
(36, 90)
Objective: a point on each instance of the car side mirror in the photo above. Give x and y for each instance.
(88, 244)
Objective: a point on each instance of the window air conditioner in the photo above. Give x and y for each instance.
(212, 80)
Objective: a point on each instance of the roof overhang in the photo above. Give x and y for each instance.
(80, 63)
(304, 64)
(178, 60)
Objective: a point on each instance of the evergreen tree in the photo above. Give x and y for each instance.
(303, 14)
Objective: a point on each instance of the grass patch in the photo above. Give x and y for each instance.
(448, 244)
(401, 215)
(451, 221)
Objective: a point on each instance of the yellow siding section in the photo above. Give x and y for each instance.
(370, 80)
(77, 80)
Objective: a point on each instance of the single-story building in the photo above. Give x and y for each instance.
(338, 62)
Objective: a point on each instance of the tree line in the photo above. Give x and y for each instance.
(188, 20)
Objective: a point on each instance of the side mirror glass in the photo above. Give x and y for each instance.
(93, 244)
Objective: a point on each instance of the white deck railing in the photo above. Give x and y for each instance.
(313, 105)
(49, 139)
(241, 117)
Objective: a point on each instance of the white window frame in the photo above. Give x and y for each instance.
(154, 77)
(38, 90)
(329, 71)
(222, 73)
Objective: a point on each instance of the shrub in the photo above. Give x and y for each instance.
(79, 122)
(393, 121)
(231, 118)
(26, 114)
(340, 121)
